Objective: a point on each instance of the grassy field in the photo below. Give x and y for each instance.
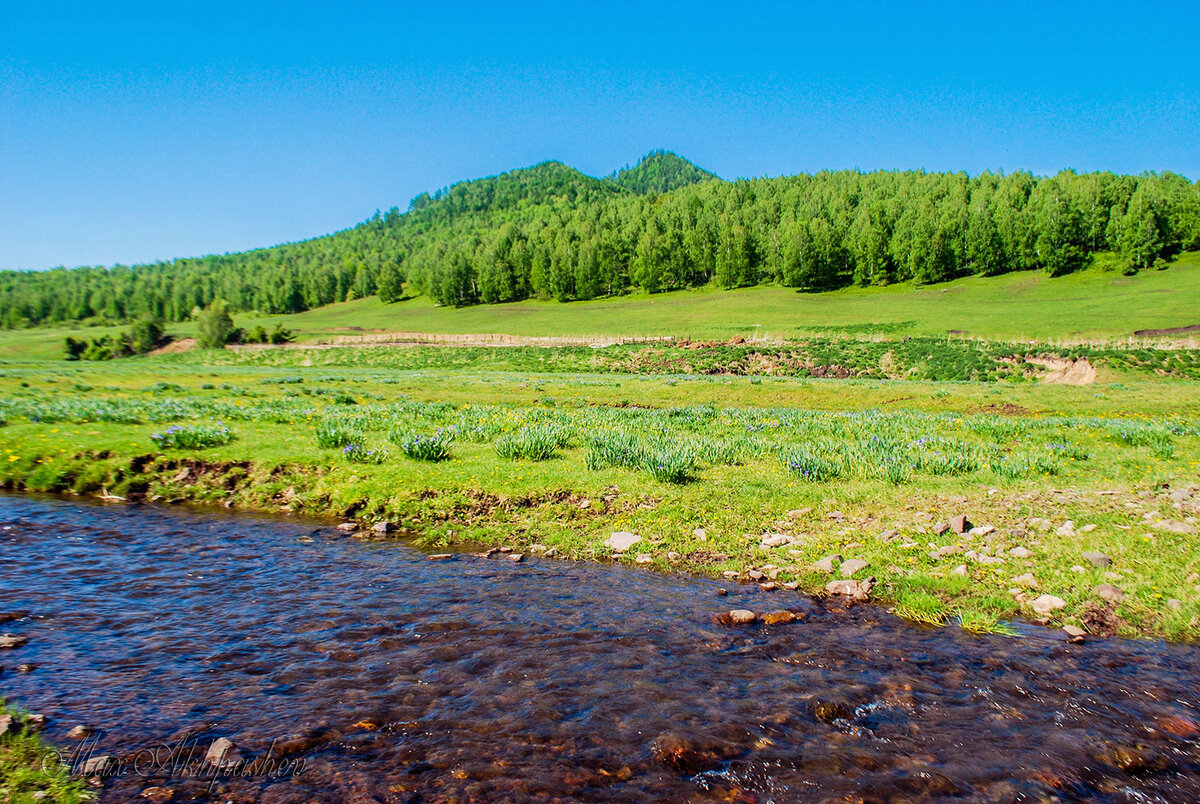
(1092, 304)
(862, 468)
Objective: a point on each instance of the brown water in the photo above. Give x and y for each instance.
(396, 678)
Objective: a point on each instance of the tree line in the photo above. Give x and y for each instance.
(552, 232)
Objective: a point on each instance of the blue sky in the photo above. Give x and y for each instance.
(133, 132)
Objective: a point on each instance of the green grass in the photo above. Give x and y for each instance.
(27, 776)
(1091, 304)
(909, 453)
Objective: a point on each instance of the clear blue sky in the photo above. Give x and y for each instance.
(135, 132)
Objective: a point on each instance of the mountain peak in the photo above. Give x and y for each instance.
(659, 171)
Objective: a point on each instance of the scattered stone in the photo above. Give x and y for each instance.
(799, 513)
(673, 556)
(7, 725)
(948, 550)
(769, 586)
(852, 566)
(756, 575)
(1175, 604)
(941, 528)
(1047, 603)
(983, 559)
(731, 573)
(960, 571)
(348, 527)
(99, 766)
(383, 527)
(982, 530)
(1109, 592)
(158, 794)
(1194, 577)
(775, 540)
(1026, 580)
(855, 590)
(1173, 526)
(1078, 569)
(827, 564)
(1179, 726)
(889, 536)
(223, 753)
(621, 541)
(12, 641)
(722, 592)
(960, 524)
(1097, 559)
(791, 585)
(700, 534)
(837, 515)
(517, 558)
(26, 668)
(35, 722)
(504, 549)
(1066, 529)
(742, 617)
(441, 556)
(1074, 633)
(1020, 552)
(1088, 528)
(779, 617)
(539, 549)
(684, 756)
(80, 732)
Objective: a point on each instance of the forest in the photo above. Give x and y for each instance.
(550, 231)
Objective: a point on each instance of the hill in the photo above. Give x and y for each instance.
(551, 232)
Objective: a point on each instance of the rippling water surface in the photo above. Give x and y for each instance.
(389, 677)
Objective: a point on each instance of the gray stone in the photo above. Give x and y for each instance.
(621, 541)
(852, 566)
(827, 564)
(742, 616)
(12, 641)
(8, 725)
(99, 766)
(1020, 552)
(960, 571)
(1175, 604)
(80, 732)
(1074, 633)
(1026, 580)
(1109, 592)
(644, 558)
(1045, 604)
(1173, 526)
(223, 753)
(1097, 559)
(383, 527)
(855, 590)
(960, 524)
(940, 528)
(775, 540)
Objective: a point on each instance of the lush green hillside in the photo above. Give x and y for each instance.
(551, 232)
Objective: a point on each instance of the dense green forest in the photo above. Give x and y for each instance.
(550, 231)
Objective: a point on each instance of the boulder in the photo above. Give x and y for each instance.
(348, 527)
(852, 566)
(516, 558)
(621, 541)
(8, 725)
(1045, 604)
(440, 556)
(700, 534)
(742, 617)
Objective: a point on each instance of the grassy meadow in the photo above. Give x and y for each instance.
(754, 478)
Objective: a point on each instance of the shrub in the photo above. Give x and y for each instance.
(669, 463)
(421, 447)
(193, 436)
(215, 326)
(535, 443)
(807, 464)
(332, 435)
(357, 453)
(617, 448)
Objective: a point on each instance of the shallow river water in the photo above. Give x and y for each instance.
(362, 671)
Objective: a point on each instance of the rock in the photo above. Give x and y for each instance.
(644, 558)
(621, 541)
(889, 536)
(8, 725)
(756, 575)
(1109, 592)
(348, 527)
(1020, 552)
(26, 668)
(516, 558)
(8, 641)
(960, 571)
(1074, 633)
(1078, 569)
(673, 556)
(223, 753)
(835, 515)
(1179, 726)
(35, 722)
(769, 586)
(799, 513)
(829, 710)
(80, 732)
(779, 617)
(99, 766)
(941, 528)
(960, 524)
(742, 617)
(948, 550)
(775, 540)
(982, 530)
(440, 556)
(983, 559)
(791, 585)
(1097, 559)
(1173, 526)
(852, 566)
(1066, 529)
(1088, 528)
(683, 755)
(158, 794)
(855, 590)
(1026, 580)
(722, 592)
(827, 564)
(383, 527)
(1045, 604)
(539, 549)
(1175, 604)
(700, 534)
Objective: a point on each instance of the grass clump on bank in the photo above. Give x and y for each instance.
(192, 436)
(30, 770)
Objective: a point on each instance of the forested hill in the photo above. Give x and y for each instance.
(550, 231)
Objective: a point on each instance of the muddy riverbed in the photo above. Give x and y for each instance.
(362, 671)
